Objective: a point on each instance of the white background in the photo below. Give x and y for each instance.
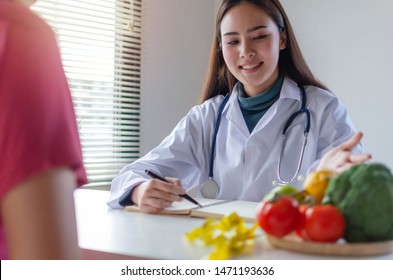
(348, 45)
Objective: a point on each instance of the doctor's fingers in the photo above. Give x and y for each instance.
(334, 160)
(154, 200)
(164, 190)
(159, 198)
(342, 168)
(154, 205)
(344, 157)
(172, 186)
(359, 158)
(352, 143)
(348, 160)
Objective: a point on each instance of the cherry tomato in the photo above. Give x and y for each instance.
(324, 223)
(300, 230)
(278, 217)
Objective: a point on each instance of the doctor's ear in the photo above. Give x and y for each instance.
(283, 39)
(219, 47)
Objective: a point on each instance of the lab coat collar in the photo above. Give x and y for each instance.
(289, 90)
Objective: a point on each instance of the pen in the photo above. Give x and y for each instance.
(185, 196)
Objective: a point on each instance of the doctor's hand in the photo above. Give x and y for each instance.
(154, 195)
(341, 158)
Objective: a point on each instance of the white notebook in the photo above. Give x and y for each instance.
(211, 208)
(245, 209)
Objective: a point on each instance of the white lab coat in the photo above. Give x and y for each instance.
(245, 164)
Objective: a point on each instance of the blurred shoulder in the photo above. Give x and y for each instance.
(21, 19)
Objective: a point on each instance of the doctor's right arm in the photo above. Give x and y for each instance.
(178, 156)
(132, 186)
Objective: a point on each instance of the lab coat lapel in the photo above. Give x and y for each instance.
(234, 114)
(289, 90)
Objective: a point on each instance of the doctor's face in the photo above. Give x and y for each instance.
(251, 44)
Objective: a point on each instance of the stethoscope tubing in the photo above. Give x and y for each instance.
(303, 110)
(215, 132)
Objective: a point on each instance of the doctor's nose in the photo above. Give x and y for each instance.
(246, 51)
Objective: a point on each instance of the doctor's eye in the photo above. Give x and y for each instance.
(260, 37)
(233, 42)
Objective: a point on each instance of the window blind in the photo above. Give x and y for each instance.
(100, 43)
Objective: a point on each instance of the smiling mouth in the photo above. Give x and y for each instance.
(250, 66)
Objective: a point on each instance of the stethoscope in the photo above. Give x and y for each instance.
(210, 188)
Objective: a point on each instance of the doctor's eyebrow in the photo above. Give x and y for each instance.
(248, 31)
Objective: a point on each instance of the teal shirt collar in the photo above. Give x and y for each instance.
(253, 108)
(261, 101)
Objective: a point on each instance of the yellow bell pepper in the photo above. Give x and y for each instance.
(316, 184)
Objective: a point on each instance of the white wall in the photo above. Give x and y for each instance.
(348, 45)
(176, 42)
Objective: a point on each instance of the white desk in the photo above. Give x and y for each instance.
(123, 234)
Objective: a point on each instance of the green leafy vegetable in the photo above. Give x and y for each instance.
(364, 194)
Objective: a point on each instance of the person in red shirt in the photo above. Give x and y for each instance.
(40, 154)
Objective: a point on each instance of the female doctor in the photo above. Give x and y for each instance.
(263, 120)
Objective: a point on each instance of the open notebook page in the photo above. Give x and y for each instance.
(183, 207)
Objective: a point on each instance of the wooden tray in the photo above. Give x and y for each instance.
(334, 249)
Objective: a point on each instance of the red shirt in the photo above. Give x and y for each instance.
(38, 130)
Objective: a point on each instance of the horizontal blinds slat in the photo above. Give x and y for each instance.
(116, 21)
(106, 20)
(109, 144)
(86, 67)
(105, 95)
(102, 185)
(108, 105)
(102, 60)
(69, 53)
(81, 83)
(118, 121)
(104, 34)
(105, 41)
(85, 113)
(76, 42)
(105, 84)
(115, 138)
(108, 162)
(98, 75)
(116, 130)
(93, 6)
(119, 163)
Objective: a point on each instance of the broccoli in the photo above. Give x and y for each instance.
(364, 194)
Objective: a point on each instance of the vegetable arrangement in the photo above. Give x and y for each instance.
(356, 205)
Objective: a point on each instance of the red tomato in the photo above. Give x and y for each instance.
(300, 230)
(324, 223)
(279, 217)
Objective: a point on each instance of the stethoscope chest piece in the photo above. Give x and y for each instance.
(210, 189)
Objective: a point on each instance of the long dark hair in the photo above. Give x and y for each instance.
(220, 81)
